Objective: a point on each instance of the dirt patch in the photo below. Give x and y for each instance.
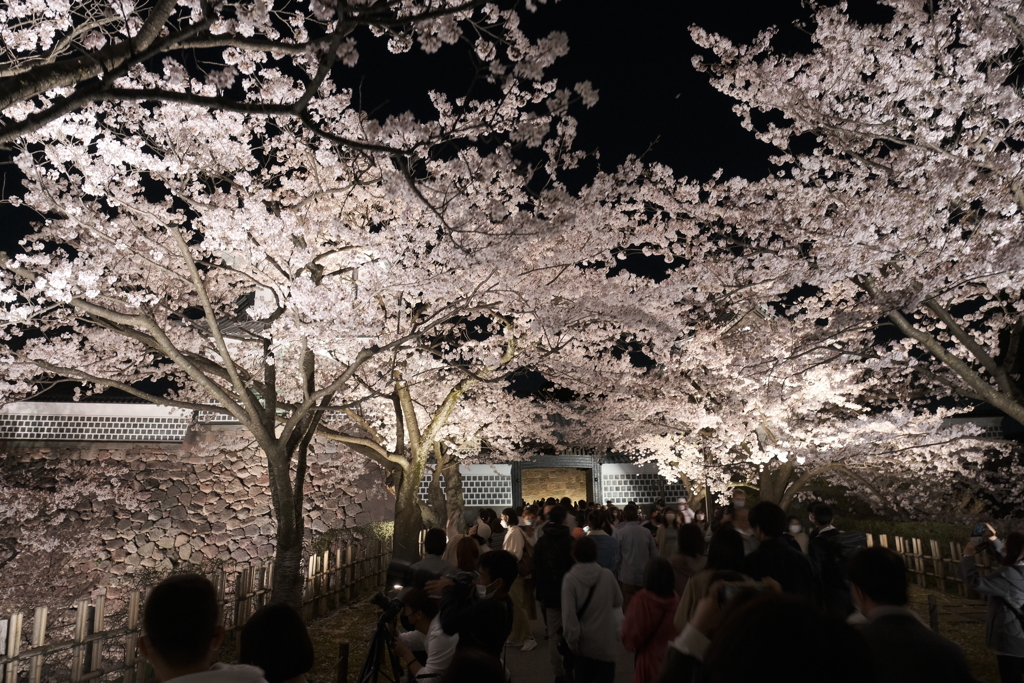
(353, 624)
(961, 621)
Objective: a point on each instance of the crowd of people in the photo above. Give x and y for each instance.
(721, 599)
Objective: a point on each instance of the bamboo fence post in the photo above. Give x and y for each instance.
(350, 576)
(13, 646)
(81, 631)
(132, 640)
(35, 665)
(938, 564)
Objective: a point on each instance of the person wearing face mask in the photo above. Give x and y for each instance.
(685, 511)
(527, 524)
(515, 543)
(482, 618)
(795, 534)
(668, 535)
(420, 611)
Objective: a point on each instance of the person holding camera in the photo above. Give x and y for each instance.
(1004, 619)
(482, 615)
(421, 611)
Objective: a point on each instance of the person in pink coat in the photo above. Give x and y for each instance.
(647, 628)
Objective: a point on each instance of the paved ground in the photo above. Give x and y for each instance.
(535, 666)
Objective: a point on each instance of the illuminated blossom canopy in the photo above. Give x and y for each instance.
(250, 236)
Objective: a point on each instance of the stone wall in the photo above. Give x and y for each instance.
(77, 515)
(554, 482)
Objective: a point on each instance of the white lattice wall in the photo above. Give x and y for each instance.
(622, 483)
(43, 421)
(482, 485)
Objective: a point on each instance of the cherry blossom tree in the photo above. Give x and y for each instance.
(376, 293)
(897, 196)
(56, 57)
(713, 417)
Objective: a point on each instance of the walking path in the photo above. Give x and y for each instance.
(535, 666)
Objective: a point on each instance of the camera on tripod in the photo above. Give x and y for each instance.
(390, 607)
(401, 575)
(381, 661)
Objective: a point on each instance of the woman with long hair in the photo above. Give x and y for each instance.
(668, 534)
(689, 557)
(725, 553)
(647, 628)
(1004, 631)
(515, 542)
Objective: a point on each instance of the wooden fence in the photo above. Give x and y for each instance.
(932, 564)
(96, 640)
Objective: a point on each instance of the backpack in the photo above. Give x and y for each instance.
(526, 562)
(849, 542)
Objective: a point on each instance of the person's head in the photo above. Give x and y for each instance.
(582, 504)
(1013, 549)
(529, 516)
(630, 514)
(753, 633)
(556, 515)
(659, 578)
(739, 497)
(822, 514)
(690, 540)
(670, 518)
(726, 550)
(566, 502)
(467, 552)
(879, 575)
(509, 518)
(597, 519)
(768, 519)
(487, 515)
(419, 608)
(794, 526)
(496, 572)
(584, 550)
(181, 625)
(275, 639)
(434, 541)
(482, 531)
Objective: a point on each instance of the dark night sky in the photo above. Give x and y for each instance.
(637, 54)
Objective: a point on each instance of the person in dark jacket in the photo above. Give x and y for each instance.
(483, 618)
(1004, 633)
(607, 545)
(552, 558)
(775, 558)
(902, 647)
(828, 558)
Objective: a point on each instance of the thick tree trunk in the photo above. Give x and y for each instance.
(453, 488)
(408, 518)
(773, 482)
(287, 583)
(437, 507)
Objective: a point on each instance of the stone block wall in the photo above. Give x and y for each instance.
(554, 482)
(77, 515)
